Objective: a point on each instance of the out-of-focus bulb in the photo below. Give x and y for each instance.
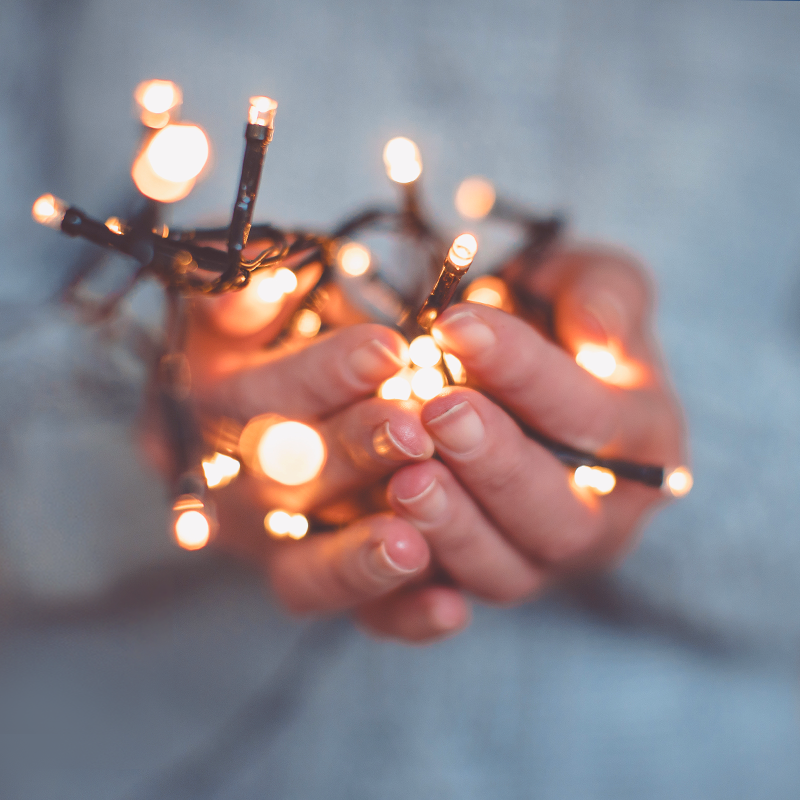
(308, 323)
(114, 224)
(427, 383)
(456, 368)
(424, 352)
(262, 111)
(156, 99)
(192, 530)
(463, 250)
(487, 290)
(220, 470)
(398, 387)
(597, 479)
(402, 159)
(178, 152)
(679, 482)
(281, 523)
(291, 453)
(597, 360)
(155, 187)
(273, 285)
(49, 210)
(354, 259)
(475, 197)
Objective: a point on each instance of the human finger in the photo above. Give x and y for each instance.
(542, 384)
(332, 372)
(330, 572)
(523, 489)
(418, 614)
(364, 443)
(464, 542)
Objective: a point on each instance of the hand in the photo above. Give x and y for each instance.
(498, 511)
(329, 383)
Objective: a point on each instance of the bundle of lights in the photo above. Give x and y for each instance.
(169, 161)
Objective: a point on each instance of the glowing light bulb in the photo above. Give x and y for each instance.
(286, 280)
(269, 289)
(178, 153)
(597, 479)
(155, 187)
(192, 530)
(402, 159)
(487, 290)
(220, 470)
(424, 352)
(354, 259)
(597, 360)
(456, 368)
(262, 111)
(427, 383)
(114, 225)
(291, 453)
(281, 523)
(298, 526)
(463, 250)
(156, 99)
(679, 482)
(49, 210)
(397, 387)
(308, 323)
(475, 197)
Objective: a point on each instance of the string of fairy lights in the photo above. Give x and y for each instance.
(208, 454)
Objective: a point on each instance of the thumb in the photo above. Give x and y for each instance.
(604, 307)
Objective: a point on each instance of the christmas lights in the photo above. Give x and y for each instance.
(211, 261)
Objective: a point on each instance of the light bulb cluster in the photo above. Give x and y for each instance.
(290, 453)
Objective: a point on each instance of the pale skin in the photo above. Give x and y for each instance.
(493, 517)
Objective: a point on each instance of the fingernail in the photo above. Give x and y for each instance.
(465, 334)
(459, 429)
(389, 446)
(384, 564)
(374, 361)
(429, 505)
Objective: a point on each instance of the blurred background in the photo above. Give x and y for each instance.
(129, 669)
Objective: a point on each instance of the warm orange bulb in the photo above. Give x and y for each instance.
(427, 383)
(291, 453)
(463, 250)
(596, 479)
(308, 323)
(220, 470)
(679, 482)
(354, 259)
(402, 159)
(424, 352)
(156, 100)
(49, 210)
(475, 198)
(192, 529)
(178, 152)
(596, 360)
(398, 387)
(262, 111)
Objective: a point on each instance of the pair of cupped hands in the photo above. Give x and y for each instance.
(495, 515)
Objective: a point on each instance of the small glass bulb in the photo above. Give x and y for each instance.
(354, 259)
(156, 100)
(192, 529)
(427, 383)
(286, 280)
(397, 387)
(220, 470)
(49, 210)
(291, 453)
(463, 250)
(597, 479)
(178, 153)
(402, 159)
(262, 111)
(596, 360)
(475, 198)
(424, 352)
(308, 323)
(278, 522)
(679, 482)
